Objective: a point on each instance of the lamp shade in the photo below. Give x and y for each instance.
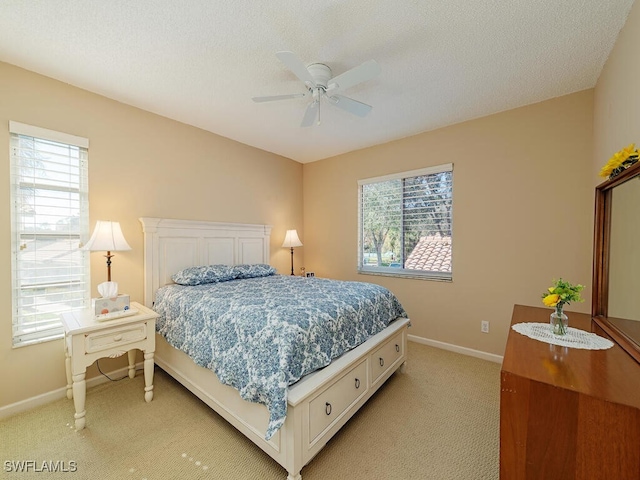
(291, 239)
(107, 236)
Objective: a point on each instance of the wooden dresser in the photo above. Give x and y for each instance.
(567, 413)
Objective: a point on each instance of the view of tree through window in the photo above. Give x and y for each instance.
(406, 223)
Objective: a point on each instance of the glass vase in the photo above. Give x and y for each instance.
(559, 323)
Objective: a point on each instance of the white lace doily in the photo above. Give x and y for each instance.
(574, 338)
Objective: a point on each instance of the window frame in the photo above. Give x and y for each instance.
(395, 271)
(76, 280)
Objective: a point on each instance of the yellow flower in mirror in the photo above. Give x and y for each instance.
(618, 159)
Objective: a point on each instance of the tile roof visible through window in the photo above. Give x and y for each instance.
(432, 253)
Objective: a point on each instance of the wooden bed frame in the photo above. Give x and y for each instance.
(321, 402)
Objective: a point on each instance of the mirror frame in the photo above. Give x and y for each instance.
(601, 246)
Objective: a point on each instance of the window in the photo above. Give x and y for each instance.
(405, 224)
(49, 218)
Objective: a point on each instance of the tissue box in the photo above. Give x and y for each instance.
(110, 305)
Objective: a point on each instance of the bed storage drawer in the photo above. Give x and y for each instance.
(103, 340)
(331, 403)
(386, 356)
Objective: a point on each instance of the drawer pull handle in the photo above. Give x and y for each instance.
(357, 383)
(397, 348)
(117, 338)
(381, 362)
(327, 408)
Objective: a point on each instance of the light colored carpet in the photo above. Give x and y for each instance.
(439, 420)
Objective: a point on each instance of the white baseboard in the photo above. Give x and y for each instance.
(455, 348)
(29, 403)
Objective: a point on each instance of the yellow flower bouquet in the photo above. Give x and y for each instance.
(620, 161)
(561, 293)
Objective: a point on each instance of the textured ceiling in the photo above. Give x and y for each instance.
(201, 61)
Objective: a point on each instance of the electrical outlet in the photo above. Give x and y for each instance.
(484, 326)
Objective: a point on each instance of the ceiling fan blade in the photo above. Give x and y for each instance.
(350, 105)
(278, 97)
(361, 73)
(310, 114)
(299, 69)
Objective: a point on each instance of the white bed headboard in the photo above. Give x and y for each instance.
(171, 245)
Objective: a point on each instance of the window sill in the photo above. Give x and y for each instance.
(409, 274)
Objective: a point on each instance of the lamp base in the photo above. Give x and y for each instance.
(291, 260)
(108, 256)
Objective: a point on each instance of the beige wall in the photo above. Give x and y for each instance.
(522, 216)
(624, 260)
(140, 164)
(617, 96)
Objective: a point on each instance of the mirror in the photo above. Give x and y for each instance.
(616, 272)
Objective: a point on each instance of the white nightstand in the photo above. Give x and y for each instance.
(87, 340)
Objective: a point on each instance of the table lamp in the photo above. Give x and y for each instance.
(291, 240)
(107, 236)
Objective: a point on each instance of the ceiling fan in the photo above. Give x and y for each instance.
(322, 85)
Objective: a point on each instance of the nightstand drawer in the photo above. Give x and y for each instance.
(103, 340)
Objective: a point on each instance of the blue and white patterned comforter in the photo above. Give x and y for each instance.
(261, 335)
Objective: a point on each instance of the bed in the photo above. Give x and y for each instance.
(319, 403)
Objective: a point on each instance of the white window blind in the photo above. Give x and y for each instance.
(50, 217)
(405, 224)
